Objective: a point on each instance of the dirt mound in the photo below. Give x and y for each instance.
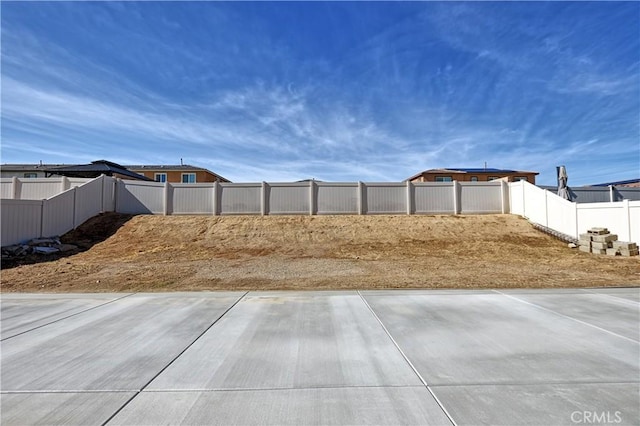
(154, 253)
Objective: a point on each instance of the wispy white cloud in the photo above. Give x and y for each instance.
(454, 85)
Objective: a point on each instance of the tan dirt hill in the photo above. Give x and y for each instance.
(169, 253)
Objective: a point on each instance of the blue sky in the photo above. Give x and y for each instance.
(372, 91)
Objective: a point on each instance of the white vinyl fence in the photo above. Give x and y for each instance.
(136, 197)
(37, 189)
(600, 194)
(24, 219)
(547, 209)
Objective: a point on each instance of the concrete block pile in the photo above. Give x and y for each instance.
(601, 241)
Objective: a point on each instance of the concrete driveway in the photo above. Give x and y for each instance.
(535, 357)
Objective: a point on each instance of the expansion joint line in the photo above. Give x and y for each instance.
(424, 382)
(565, 316)
(174, 359)
(68, 316)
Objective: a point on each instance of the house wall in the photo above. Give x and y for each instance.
(20, 173)
(482, 177)
(175, 176)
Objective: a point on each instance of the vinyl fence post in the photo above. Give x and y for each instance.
(264, 199)
(116, 183)
(216, 194)
(15, 188)
(627, 214)
(456, 197)
(504, 191)
(166, 198)
(312, 197)
(102, 180)
(361, 200)
(41, 231)
(546, 208)
(410, 202)
(524, 197)
(611, 195)
(64, 183)
(75, 207)
(577, 232)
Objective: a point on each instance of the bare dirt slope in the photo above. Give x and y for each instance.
(156, 253)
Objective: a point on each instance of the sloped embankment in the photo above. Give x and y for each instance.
(166, 253)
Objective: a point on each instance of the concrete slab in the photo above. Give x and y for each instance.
(291, 341)
(629, 293)
(614, 314)
(492, 339)
(516, 357)
(73, 408)
(561, 404)
(23, 312)
(332, 406)
(118, 346)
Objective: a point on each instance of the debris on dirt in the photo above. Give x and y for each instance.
(38, 250)
(35, 245)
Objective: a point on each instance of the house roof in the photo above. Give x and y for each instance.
(130, 169)
(95, 169)
(619, 183)
(27, 167)
(174, 168)
(462, 170)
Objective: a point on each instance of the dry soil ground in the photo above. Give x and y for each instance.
(156, 253)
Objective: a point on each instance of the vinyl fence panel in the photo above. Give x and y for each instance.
(88, 200)
(337, 198)
(6, 189)
(614, 216)
(192, 198)
(75, 182)
(240, 198)
(108, 194)
(289, 198)
(434, 197)
(516, 198)
(535, 205)
(41, 188)
(137, 197)
(58, 214)
(21, 220)
(385, 198)
(480, 197)
(561, 215)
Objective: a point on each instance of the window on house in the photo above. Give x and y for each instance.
(188, 178)
(493, 178)
(160, 177)
(474, 178)
(517, 178)
(444, 179)
(31, 175)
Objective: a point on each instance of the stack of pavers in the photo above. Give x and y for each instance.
(600, 241)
